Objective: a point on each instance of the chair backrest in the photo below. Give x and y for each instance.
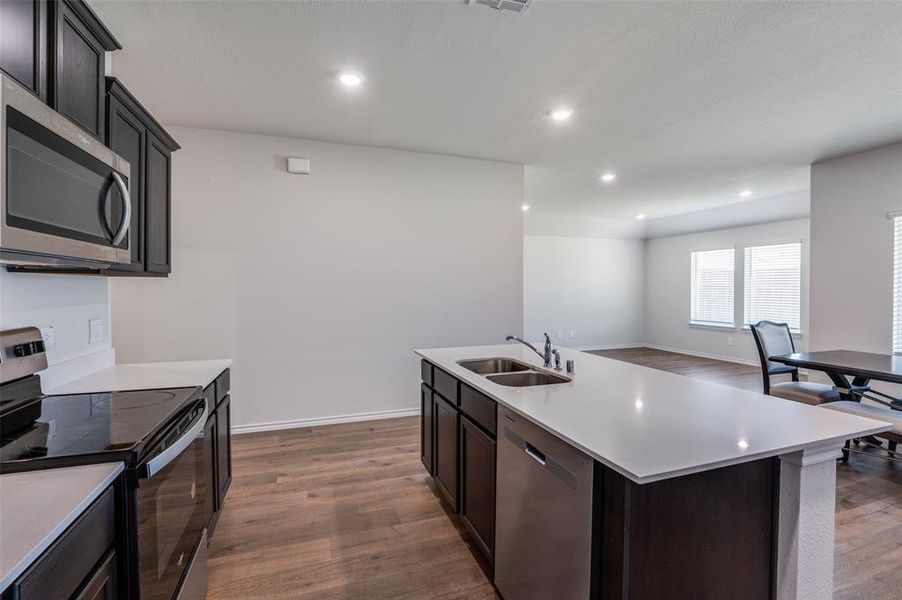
(772, 339)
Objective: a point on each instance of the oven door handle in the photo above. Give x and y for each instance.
(126, 200)
(159, 462)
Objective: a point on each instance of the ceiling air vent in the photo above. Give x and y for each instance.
(514, 6)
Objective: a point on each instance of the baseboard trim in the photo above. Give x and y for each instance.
(730, 359)
(316, 421)
(609, 347)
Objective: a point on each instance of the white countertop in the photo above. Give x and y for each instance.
(145, 376)
(37, 506)
(650, 425)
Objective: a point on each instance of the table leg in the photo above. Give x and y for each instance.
(842, 385)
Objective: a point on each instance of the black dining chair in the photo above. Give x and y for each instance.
(774, 339)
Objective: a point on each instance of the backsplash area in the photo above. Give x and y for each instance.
(68, 304)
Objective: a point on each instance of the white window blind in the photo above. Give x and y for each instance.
(773, 284)
(711, 288)
(897, 285)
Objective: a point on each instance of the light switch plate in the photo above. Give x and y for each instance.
(95, 330)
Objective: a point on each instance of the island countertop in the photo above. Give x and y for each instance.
(650, 425)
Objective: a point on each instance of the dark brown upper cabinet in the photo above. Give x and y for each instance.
(80, 40)
(57, 49)
(157, 197)
(136, 136)
(24, 43)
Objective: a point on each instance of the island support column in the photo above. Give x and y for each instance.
(806, 523)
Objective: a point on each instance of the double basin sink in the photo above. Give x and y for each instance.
(510, 372)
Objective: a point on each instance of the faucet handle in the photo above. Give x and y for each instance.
(557, 359)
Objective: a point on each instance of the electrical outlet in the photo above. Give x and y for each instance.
(49, 336)
(730, 341)
(95, 330)
(572, 333)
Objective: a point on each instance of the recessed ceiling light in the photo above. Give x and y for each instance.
(743, 444)
(609, 177)
(745, 193)
(350, 78)
(561, 114)
(525, 207)
(641, 216)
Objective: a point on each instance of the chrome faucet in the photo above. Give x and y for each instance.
(546, 356)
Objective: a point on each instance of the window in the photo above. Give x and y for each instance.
(897, 285)
(773, 284)
(711, 295)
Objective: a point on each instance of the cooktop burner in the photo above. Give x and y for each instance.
(109, 426)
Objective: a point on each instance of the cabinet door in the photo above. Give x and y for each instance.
(426, 427)
(102, 583)
(157, 206)
(211, 488)
(447, 421)
(23, 43)
(126, 137)
(223, 449)
(60, 571)
(78, 72)
(477, 485)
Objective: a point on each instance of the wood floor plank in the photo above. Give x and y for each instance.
(347, 512)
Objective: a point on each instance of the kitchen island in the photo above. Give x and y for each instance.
(668, 487)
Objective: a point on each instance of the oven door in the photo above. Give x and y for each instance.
(170, 506)
(64, 196)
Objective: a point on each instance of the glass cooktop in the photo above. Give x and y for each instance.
(93, 427)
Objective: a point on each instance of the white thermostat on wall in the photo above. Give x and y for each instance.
(299, 166)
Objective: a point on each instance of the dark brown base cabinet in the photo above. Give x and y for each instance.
(426, 426)
(648, 541)
(458, 450)
(217, 447)
(82, 563)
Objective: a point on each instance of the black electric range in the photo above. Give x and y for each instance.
(78, 429)
(158, 435)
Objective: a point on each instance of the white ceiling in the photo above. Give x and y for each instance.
(688, 102)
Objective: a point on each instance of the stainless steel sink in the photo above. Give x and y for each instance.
(487, 366)
(526, 379)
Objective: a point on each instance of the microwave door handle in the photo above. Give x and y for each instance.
(126, 200)
(159, 462)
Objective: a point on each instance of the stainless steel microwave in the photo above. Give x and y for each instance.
(64, 196)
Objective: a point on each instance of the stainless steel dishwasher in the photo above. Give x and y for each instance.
(543, 514)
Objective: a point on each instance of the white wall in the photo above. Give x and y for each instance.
(852, 249)
(320, 286)
(64, 302)
(589, 284)
(667, 274)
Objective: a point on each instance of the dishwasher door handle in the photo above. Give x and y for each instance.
(534, 453)
(553, 466)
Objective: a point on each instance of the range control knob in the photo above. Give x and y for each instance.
(28, 348)
(21, 350)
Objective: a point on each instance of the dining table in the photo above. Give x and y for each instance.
(850, 371)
